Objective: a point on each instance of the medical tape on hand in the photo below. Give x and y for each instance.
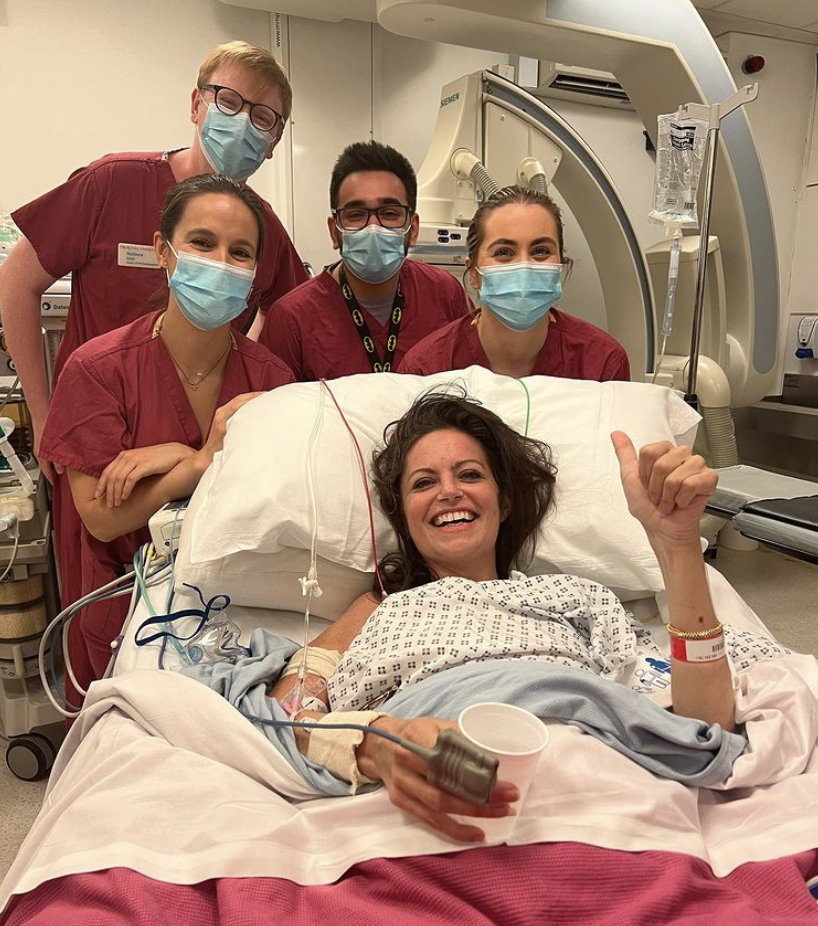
(335, 749)
(711, 650)
(319, 661)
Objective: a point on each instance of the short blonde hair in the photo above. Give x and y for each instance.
(254, 59)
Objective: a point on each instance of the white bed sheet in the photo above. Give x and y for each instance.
(143, 782)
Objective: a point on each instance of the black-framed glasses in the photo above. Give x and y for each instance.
(350, 218)
(231, 103)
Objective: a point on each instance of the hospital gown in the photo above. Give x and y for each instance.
(561, 619)
(118, 392)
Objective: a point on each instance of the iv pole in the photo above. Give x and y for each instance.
(713, 116)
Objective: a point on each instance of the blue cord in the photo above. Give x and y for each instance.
(143, 591)
(139, 562)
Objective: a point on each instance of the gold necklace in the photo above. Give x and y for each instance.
(202, 374)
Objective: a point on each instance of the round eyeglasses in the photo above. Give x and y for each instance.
(231, 103)
(350, 218)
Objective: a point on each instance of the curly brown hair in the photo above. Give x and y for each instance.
(522, 468)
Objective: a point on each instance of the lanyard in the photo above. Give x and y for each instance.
(363, 329)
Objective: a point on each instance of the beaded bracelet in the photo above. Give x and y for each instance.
(695, 634)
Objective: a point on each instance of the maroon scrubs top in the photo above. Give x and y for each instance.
(313, 333)
(574, 349)
(78, 227)
(117, 392)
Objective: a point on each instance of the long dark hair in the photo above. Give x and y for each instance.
(521, 466)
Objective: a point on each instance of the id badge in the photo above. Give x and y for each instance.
(137, 255)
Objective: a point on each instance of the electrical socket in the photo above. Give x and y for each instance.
(21, 505)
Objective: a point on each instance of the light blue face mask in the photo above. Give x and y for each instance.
(519, 295)
(232, 144)
(209, 293)
(374, 253)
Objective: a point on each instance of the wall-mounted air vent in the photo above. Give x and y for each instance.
(598, 87)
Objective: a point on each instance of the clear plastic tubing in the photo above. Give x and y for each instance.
(672, 279)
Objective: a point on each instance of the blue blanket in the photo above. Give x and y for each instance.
(678, 748)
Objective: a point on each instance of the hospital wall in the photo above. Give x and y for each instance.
(93, 76)
(86, 77)
(781, 119)
(354, 80)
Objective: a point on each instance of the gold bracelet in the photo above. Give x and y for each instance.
(708, 634)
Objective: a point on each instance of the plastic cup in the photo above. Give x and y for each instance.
(517, 738)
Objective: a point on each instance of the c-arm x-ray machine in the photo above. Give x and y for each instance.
(509, 133)
(504, 124)
(663, 56)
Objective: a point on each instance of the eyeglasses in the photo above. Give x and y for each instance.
(231, 103)
(392, 216)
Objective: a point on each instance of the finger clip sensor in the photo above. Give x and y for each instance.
(459, 766)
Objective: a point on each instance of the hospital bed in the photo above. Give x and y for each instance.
(166, 804)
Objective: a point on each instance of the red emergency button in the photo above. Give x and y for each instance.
(753, 64)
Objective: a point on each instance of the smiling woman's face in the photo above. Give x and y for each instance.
(451, 504)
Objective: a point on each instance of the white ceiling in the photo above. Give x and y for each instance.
(794, 14)
(792, 19)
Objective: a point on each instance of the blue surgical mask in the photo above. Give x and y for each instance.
(209, 293)
(374, 253)
(232, 144)
(519, 295)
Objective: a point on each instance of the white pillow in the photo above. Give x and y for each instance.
(248, 530)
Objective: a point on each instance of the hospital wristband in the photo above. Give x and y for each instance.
(335, 749)
(687, 650)
(319, 661)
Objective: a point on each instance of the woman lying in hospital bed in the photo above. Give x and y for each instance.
(466, 494)
(164, 797)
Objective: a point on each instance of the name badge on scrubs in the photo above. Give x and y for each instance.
(137, 255)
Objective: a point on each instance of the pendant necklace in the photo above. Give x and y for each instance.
(201, 374)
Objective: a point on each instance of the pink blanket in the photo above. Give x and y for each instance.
(549, 884)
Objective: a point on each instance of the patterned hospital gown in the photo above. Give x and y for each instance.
(553, 618)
